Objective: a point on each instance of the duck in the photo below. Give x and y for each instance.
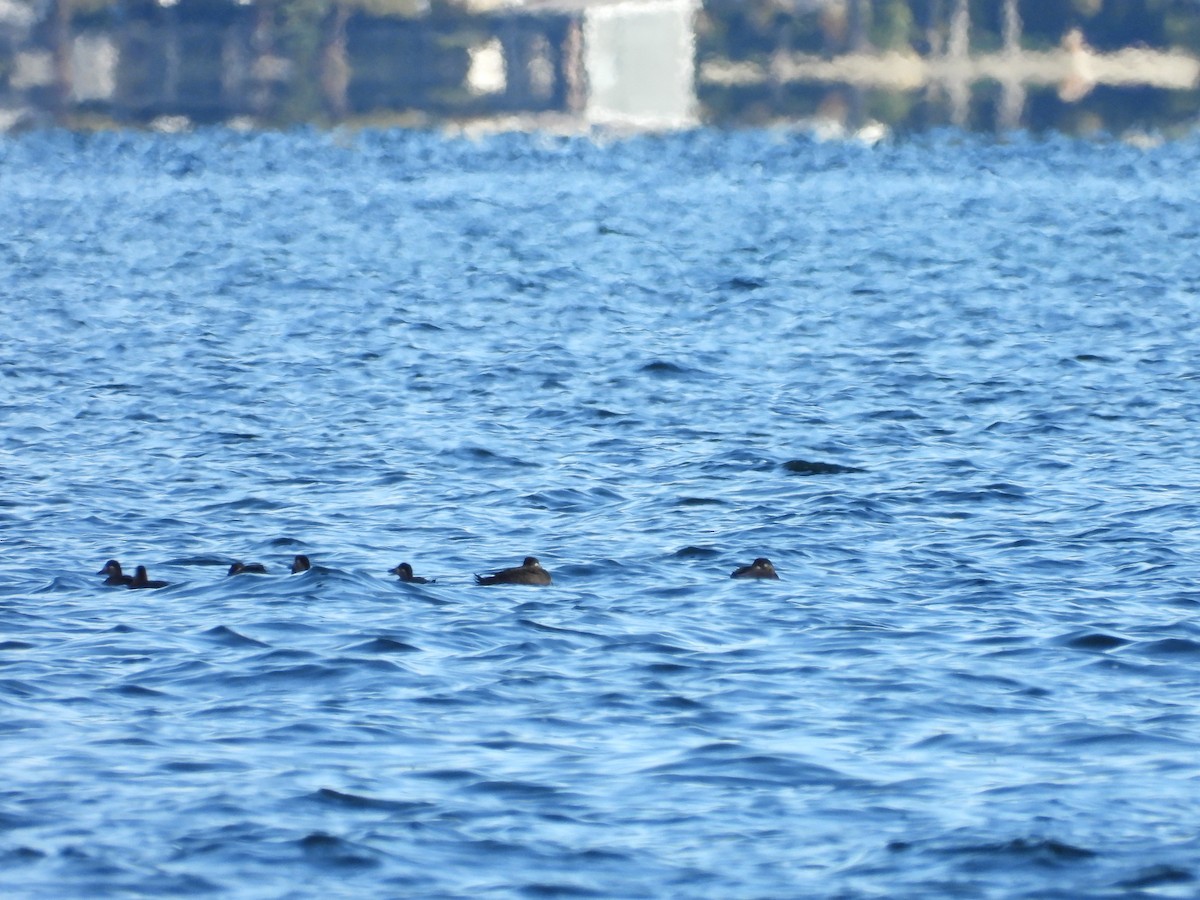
(255, 568)
(141, 579)
(404, 570)
(300, 564)
(529, 572)
(112, 569)
(760, 568)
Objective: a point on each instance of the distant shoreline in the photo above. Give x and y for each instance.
(1170, 70)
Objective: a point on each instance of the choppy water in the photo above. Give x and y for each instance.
(950, 387)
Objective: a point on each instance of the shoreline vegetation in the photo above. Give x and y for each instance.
(1073, 71)
(839, 66)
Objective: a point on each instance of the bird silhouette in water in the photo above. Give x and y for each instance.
(405, 571)
(760, 568)
(529, 572)
(141, 579)
(112, 569)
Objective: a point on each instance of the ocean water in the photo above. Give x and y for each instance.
(949, 385)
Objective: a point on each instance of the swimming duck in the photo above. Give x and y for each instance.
(760, 568)
(141, 579)
(255, 568)
(300, 564)
(112, 569)
(529, 572)
(404, 570)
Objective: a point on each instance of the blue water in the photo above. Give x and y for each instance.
(949, 386)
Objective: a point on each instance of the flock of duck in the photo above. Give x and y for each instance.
(529, 572)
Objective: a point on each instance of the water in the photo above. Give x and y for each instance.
(948, 386)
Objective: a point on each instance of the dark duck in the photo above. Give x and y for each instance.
(529, 572)
(405, 571)
(141, 579)
(760, 568)
(112, 569)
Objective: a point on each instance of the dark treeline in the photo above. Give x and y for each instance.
(287, 61)
(758, 31)
(744, 29)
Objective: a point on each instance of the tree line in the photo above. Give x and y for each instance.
(742, 29)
